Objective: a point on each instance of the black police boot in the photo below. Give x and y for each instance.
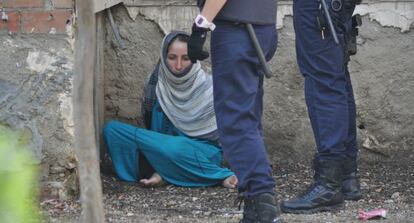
(351, 188)
(262, 208)
(324, 195)
(350, 182)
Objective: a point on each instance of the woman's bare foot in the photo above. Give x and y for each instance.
(154, 180)
(230, 182)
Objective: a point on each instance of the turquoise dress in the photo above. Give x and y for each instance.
(177, 158)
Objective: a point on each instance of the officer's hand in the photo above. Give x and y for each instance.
(195, 44)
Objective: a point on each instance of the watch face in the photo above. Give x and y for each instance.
(200, 20)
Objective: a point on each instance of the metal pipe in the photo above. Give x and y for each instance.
(115, 30)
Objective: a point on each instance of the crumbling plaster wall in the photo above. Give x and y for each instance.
(36, 73)
(36, 98)
(382, 74)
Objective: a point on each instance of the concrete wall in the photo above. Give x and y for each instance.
(36, 73)
(381, 73)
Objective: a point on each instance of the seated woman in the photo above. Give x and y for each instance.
(180, 143)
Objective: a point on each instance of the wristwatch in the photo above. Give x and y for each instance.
(202, 22)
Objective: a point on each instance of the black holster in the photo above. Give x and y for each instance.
(352, 40)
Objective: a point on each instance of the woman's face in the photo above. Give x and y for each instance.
(177, 58)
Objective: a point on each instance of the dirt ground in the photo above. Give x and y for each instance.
(386, 183)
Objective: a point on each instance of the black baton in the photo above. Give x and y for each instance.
(328, 17)
(259, 50)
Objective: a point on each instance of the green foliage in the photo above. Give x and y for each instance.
(18, 179)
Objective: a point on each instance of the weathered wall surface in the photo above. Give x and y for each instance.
(36, 72)
(126, 70)
(382, 74)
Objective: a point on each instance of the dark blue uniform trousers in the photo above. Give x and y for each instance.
(328, 89)
(238, 103)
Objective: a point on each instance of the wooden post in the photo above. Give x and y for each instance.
(85, 144)
(99, 106)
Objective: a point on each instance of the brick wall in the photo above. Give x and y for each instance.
(35, 16)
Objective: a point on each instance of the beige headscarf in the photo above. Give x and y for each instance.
(187, 99)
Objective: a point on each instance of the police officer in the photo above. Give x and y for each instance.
(331, 105)
(238, 93)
